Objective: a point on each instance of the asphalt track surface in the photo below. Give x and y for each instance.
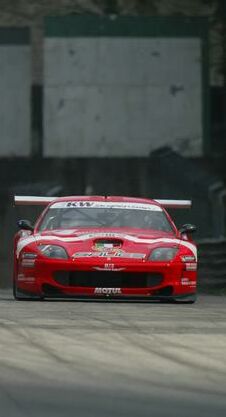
(104, 359)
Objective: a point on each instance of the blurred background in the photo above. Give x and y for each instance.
(124, 97)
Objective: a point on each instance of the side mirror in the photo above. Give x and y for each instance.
(188, 228)
(25, 225)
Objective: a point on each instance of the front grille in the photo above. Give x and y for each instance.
(107, 279)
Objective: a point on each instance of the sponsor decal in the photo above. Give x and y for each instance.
(104, 205)
(22, 277)
(108, 267)
(187, 281)
(79, 204)
(187, 258)
(191, 266)
(28, 263)
(104, 234)
(107, 254)
(28, 259)
(107, 291)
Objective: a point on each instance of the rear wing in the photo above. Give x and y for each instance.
(183, 204)
(20, 200)
(44, 201)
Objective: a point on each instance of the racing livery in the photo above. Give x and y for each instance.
(104, 247)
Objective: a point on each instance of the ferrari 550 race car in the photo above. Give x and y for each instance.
(104, 247)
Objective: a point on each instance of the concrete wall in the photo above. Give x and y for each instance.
(15, 83)
(122, 96)
(31, 13)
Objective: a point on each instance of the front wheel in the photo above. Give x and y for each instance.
(22, 296)
(190, 299)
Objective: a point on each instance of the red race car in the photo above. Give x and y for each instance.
(104, 247)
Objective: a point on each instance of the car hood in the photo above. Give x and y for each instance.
(108, 240)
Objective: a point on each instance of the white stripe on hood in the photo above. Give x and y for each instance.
(23, 242)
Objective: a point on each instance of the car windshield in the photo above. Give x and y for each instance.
(74, 217)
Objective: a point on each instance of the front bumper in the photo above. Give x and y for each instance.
(101, 279)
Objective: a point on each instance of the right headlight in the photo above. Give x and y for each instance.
(163, 254)
(53, 251)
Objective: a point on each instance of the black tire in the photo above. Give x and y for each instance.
(20, 296)
(189, 300)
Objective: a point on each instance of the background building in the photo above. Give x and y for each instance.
(118, 97)
(173, 19)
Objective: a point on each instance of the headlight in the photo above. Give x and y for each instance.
(163, 254)
(53, 251)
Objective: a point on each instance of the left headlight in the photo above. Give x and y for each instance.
(53, 251)
(163, 254)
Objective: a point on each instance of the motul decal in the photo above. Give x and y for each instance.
(107, 291)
